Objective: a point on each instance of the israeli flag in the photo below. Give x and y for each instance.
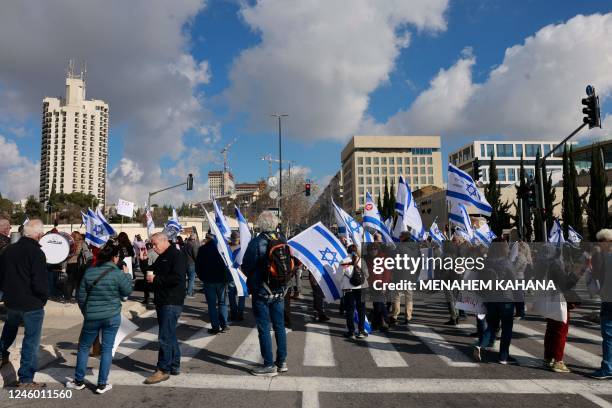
(96, 233)
(466, 223)
(83, 219)
(221, 221)
(485, 235)
(463, 190)
(389, 223)
(573, 236)
(150, 223)
(436, 234)
(408, 213)
(27, 219)
(460, 232)
(556, 234)
(366, 325)
(353, 229)
(372, 219)
(245, 237)
(321, 252)
(106, 224)
(226, 253)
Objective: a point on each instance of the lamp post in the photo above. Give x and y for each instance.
(279, 116)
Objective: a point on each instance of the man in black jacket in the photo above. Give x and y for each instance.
(214, 274)
(168, 283)
(23, 279)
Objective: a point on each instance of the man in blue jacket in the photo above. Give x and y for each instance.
(268, 306)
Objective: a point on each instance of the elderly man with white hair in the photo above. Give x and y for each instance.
(23, 279)
(268, 298)
(5, 233)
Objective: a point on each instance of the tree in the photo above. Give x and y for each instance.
(33, 208)
(572, 207)
(597, 209)
(386, 200)
(381, 209)
(500, 217)
(577, 221)
(392, 199)
(521, 194)
(549, 198)
(6, 207)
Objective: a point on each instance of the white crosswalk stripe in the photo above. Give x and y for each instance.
(318, 351)
(248, 353)
(137, 342)
(439, 346)
(383, 352)
(196, 343)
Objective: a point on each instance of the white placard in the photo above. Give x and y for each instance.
(125, 208)
(125, 329)
(128, 262)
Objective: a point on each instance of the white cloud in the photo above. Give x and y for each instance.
(319, 60)
(534, 93)
(20, 175)
(137, 60)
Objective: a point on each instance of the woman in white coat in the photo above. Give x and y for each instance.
(354, 280)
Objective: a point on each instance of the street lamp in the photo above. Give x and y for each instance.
(279, 116)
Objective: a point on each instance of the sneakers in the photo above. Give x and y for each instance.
(282, 368)
(75, 385)
(600, 375)
(271, 371)
(102, 388)
(224, 329)
(157, 377)
(214, 331)
(559, 367)
(548, 363)
(509, 360)
(362, 335)
(349, 335)
(476, 353)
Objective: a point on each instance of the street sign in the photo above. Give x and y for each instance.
(125, 208)
(272, 181)
(273, 194)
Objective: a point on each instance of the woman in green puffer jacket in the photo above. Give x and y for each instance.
(100, 293)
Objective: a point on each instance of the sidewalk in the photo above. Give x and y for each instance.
(58, 317)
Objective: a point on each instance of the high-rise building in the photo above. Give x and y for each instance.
(220, 183)
(74, 148)
(368, 160)
(507, 155)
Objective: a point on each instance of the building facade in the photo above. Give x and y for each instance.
(220, 183)
(245, 188)
(367, 161)
(507, 156)
(74, 147)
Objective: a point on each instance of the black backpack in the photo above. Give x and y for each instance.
(357, 278)
(279, 263)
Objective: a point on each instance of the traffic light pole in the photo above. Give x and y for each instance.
(187, 183)
(540, 187)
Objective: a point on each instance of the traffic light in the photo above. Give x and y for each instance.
(307, 189)
(476, 169)
(591, 109)
(531, 193)
(190, 182)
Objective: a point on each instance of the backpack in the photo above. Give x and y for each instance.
(279, 263)
(357, 278)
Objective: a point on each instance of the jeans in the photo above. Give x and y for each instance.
(497, 311)
(352, 301)
(52, 280)
(190, 278)
(216, 298)
(236, 307)
(606, 345)
(32, 322)
(169, 356)
(266, 311)
(89, 332)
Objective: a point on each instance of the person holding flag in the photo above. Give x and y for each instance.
(573, 236)
(556, 233)
(484, 235)
(408, 218)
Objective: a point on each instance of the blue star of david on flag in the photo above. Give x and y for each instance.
(97, 230)
(328, 256)
(472, 190)
(354, 225)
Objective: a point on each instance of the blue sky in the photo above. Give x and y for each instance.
(236, 62)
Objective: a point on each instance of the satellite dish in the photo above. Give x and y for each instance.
(273, 194)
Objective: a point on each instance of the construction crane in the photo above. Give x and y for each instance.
(224, 152)
(271, 160)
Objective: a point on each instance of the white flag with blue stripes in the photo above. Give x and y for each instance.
(108, 227)
(484, 234)
(436, 234)
(463, 190)
(83, 219)
(573, 236)
(466, 223)
(556, 233)
(409, 216)
(321, 252)
(372, 219)
(226, 253)
(27, 219)
(353, 228)
(150, 223)
(221, 221)
(96, 233)
(245, 237)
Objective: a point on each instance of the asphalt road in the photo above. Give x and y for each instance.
(425, 363)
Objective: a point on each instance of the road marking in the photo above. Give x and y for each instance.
(310, 399)
(597, 400)
(318, 350)
(196, 343)
(383, 352)
(347, 385)
(248, 353)
(133, 344)
(571, 351)
(438, 345)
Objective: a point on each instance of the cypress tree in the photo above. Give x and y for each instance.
(521, 193)
(568, 200)
(500, 217)
(549, 197)
(577, 206)
(598, 201)
(381, 210)
(392, 199)
(386, 206)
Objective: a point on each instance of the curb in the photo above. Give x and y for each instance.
(46, 355)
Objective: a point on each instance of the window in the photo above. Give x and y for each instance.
(376, 180)
(376, 161)
(360, 160)
(407, 170)
(415, 170)
(399, 171)
(361, 190)
(400, 161)
(529, 173)
(511, 175)
(484, 174)
(490, 150)
(376, 170)
(377, 191)
(531, 149)
(422, 150)
(391, 161)
(383, 161)
(423, 180)
(368, 161)
(430, 180)
(415, 160)
(547, 148)
(429, 170)
(429, 160)
(519, 150)
(360, 180)
(415, 180)
(368, 170)
(383, 170)
(369, 180)
(422, 170)
(501, 174)
(391, 170)
(505, 150)
(421, 160)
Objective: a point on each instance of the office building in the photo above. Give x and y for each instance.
(220, 183)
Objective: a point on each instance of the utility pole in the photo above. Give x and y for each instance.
(279, 116)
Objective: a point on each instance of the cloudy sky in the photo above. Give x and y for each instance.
(183, 78)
